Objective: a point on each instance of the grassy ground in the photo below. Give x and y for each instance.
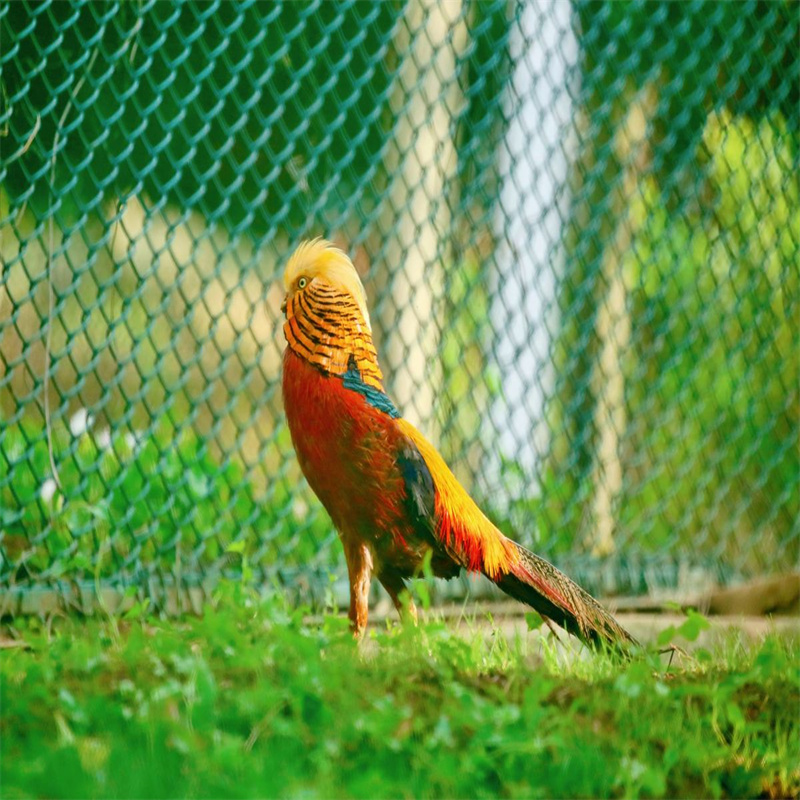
(251, 701)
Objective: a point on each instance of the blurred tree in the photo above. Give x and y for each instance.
(704, 59)
(262, 117)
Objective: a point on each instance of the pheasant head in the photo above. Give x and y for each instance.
(327, 321)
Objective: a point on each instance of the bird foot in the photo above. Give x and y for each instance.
(672, 649)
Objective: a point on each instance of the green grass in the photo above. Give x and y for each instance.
(251, 701)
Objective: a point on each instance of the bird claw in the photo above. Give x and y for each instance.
(672, 649)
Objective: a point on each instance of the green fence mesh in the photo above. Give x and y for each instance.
(578, 225)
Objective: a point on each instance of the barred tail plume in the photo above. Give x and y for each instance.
(536, 582)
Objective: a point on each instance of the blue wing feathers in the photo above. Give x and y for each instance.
(375, 397)
(420, 491)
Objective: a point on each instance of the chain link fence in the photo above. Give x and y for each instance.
(578, 227)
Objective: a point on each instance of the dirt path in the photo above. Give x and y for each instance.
(510, 619)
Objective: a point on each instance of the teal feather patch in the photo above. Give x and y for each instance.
(375, 397)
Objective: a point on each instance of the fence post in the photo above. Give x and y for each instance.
(422, 162)
(614, 324)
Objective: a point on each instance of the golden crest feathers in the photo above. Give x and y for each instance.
(319, 258)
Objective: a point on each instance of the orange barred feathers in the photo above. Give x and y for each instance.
(326, 326)
(461, 525)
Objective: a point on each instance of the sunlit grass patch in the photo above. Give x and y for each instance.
(251, 700)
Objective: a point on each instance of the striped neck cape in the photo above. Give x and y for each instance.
(324, 325)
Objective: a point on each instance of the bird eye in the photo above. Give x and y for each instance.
(301, 284)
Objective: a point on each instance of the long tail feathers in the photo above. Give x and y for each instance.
(539, 584)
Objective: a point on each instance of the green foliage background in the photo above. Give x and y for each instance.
(160, 195)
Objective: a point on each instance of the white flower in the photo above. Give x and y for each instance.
(48, 490)
(103, 439)
(80, 422)
(299, 508)
(134, 439)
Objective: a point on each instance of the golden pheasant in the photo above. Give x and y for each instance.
(389, 493)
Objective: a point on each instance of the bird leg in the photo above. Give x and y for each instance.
(359, 570)
(672, 649)
(396, 589)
